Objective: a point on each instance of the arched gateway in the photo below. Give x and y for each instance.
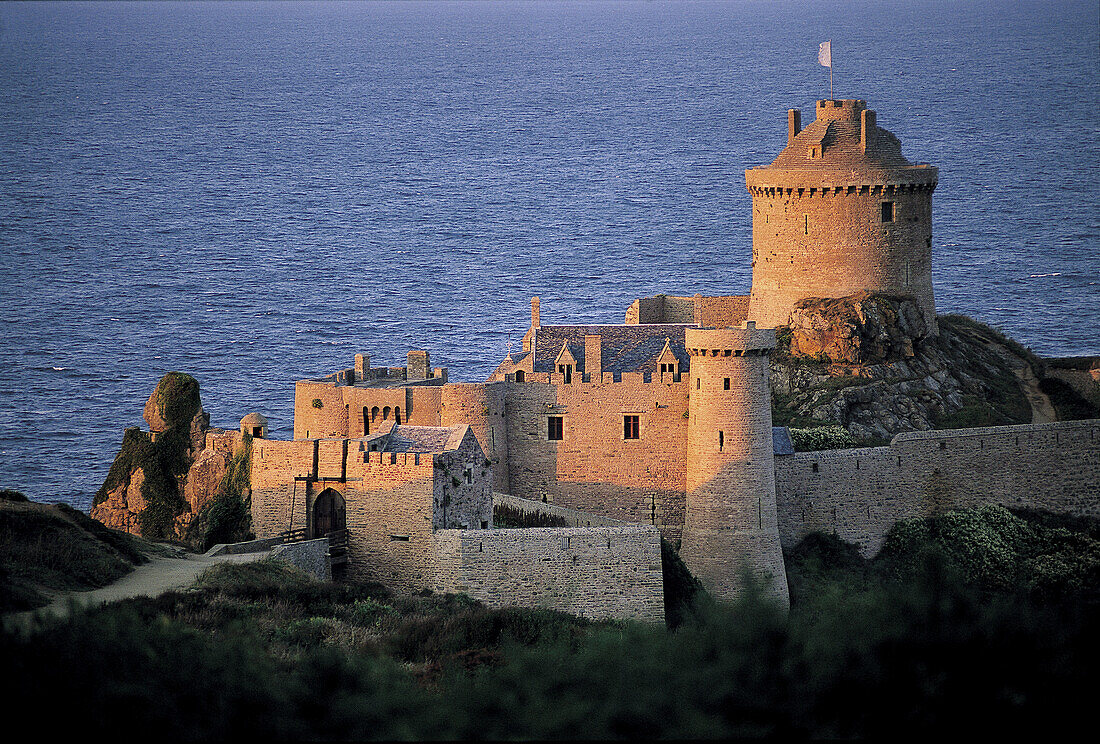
(329, 513)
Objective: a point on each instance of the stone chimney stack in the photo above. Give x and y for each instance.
(535, 312)
(794, 124)
(866, 129)
(593, 358)
(418, 365)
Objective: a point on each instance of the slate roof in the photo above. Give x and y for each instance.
(420, 438)
(781, 441)
(624, 348)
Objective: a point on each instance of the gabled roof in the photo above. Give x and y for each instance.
(624, 348)
(424, 438)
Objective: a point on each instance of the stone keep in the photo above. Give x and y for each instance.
(730, 513)
(839, 211)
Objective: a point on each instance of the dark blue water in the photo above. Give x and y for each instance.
(252, 193)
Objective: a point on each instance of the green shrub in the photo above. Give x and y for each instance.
(227, 518)
(822, 438)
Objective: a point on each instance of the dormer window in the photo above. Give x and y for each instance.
(566, 371)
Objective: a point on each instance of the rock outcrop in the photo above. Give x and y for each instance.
(862, 329)
(872, 365)
(162, 479)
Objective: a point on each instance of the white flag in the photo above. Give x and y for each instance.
(825, 54)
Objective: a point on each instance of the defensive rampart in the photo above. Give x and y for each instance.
(858, 494)
(598, 572)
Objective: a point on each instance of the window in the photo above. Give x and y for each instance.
(726, 383)
(566, 371)
(468, 474)
(519, 375)
(554, 428)
(888, 211)
(721, 439)
(698, 382)
(630, 427)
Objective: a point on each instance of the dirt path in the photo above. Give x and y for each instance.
(157, 576)
(1042, 412)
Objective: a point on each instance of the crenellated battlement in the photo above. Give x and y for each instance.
(746, 340)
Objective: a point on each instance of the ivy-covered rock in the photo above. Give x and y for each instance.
(146, 490)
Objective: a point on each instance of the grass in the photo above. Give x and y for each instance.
(57, 547)
(1067, 402)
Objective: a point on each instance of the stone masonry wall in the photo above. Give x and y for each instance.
(858, 494)
(594, 468)
(599, 573)
(389, 517)
(278, 479)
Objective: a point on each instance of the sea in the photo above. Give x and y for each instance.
(254, 192)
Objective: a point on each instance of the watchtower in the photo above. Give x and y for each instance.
(730, 514)
(839, 211)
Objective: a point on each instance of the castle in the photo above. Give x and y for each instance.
(659, 426)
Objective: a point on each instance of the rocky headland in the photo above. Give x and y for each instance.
(872, 365)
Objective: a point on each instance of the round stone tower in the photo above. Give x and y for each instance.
(482, 407)
(840, 211)
(730, 517)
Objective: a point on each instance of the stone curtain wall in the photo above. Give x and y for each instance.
(593, 468)
(389, 517)
(719, 311)
(275, 466)
(860, 493)
(598, 573)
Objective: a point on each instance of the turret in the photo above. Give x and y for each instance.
(839, 211)
(730, 517)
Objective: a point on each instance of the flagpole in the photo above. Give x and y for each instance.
(830, 69)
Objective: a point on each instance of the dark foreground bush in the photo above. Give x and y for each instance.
(914, 645)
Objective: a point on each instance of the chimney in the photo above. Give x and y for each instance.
(535, 312)
(593, 358)
(866, 129)
(362, 366)
(794, 124)
(418, 365)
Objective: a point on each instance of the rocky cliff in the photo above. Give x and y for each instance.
(870, 364)
(164, 482)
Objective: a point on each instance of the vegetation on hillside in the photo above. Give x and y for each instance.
(505, 516)
(56, 547)
(955, 629)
